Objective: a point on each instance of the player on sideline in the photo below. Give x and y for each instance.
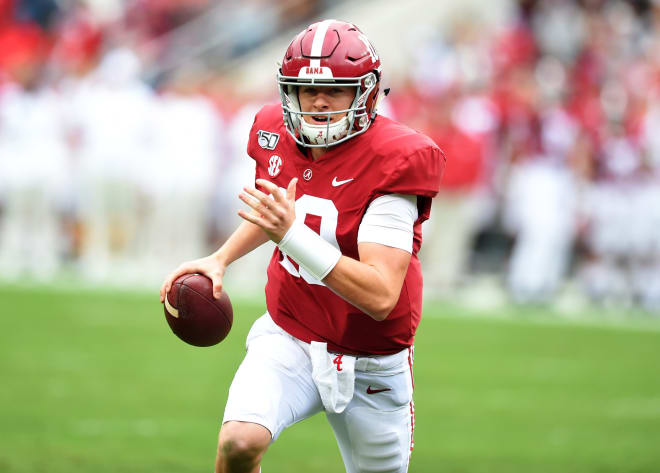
(343, 193)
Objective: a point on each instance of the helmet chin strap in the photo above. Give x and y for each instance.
(326, 133)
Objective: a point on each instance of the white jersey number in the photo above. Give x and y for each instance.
(324, 208)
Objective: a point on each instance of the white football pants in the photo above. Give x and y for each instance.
(273, 387)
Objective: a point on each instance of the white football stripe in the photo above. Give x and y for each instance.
(317, 43)
(170, 309)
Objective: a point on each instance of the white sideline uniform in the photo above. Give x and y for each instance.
(273, 387)
(367, 399)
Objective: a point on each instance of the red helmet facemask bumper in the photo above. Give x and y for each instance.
(329, 53)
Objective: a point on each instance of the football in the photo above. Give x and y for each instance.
(194, 315)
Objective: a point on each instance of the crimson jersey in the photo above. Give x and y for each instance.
(332, 196)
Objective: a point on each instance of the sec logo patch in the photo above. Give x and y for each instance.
(274, 166)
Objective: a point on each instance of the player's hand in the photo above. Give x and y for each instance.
(275, 213)
(209, 266)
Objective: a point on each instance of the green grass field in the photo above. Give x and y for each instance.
(95, 382)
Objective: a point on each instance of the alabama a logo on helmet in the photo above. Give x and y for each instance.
(268, 139)
(274, 165)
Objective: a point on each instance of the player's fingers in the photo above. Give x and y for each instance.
(266, 201)
(257, 194)
(270, 212)
(257, 205)
(248, 200)
(266, 226)
(167, 285)
(216, 279)
(169, 280)
(272, 188)
(251, 218)
(291, 190)
(188, 267)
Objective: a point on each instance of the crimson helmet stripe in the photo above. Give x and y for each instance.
(317, 43)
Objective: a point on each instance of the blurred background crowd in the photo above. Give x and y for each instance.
(123, 133)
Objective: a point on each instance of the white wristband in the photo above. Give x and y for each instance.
(309, 250)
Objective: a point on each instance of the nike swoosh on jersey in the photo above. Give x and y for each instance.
(376, 391)
(336, 183)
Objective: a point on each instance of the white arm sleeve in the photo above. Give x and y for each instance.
(389, 220)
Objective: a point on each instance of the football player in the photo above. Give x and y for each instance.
(343, 192)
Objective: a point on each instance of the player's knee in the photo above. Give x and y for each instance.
(242, 443)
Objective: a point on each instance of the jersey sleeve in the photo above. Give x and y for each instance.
(389, 220)
(268, 117)
(415, 172)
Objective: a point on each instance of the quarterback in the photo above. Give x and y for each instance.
(342, 192)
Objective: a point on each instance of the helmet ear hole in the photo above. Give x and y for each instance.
(369, 81)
